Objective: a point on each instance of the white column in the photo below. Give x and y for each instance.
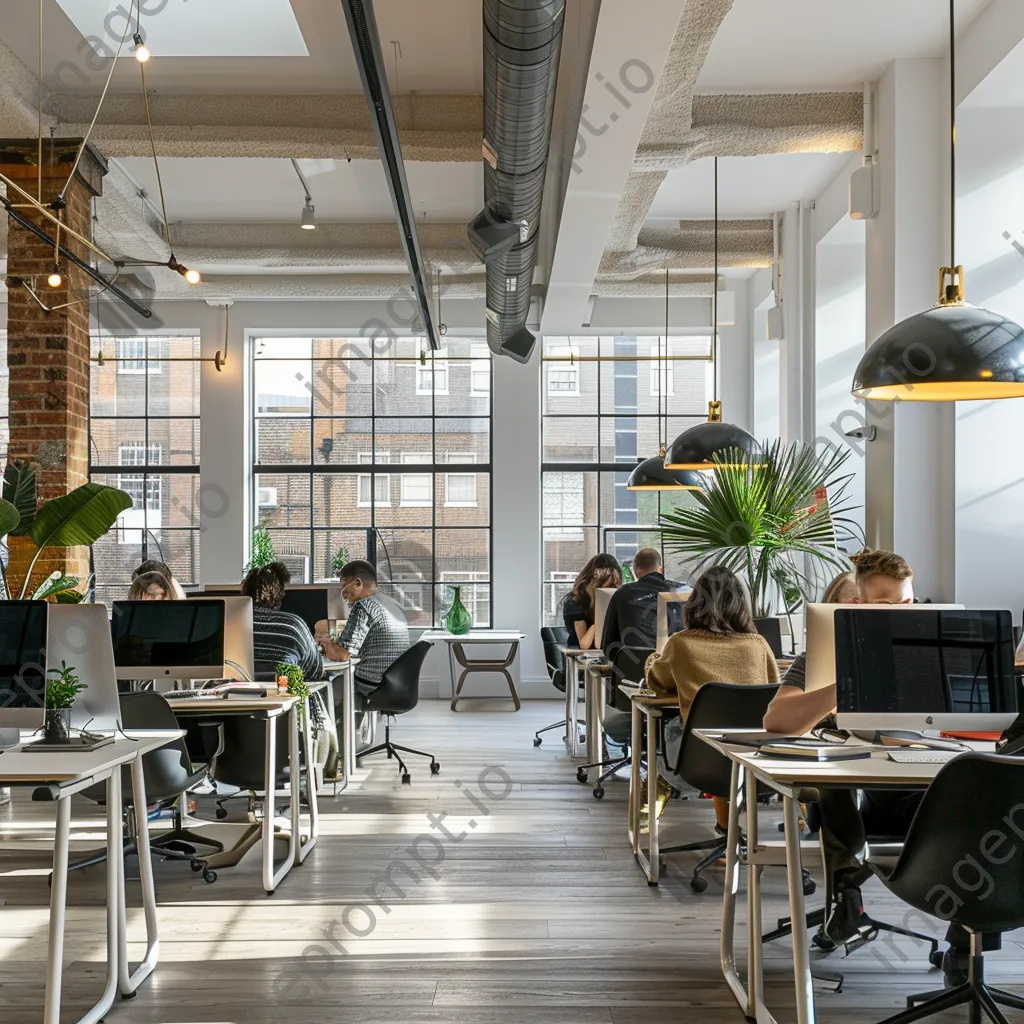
(791, 361)
(735, 352)
(910, 482)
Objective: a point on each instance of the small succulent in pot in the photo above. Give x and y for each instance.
(61, 693)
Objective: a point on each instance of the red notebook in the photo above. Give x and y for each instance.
(981, 737)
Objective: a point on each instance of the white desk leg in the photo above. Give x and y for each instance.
(130, 982)
(755, 949)
(271, 878)
(801, 952)
(732, 882)
(302, 849)
(572, 683)
(652, 797)
(348, 715)
(636, 742)
(58, 906)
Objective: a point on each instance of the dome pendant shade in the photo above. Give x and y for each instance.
(694, 448)
(651, 475)
(952, 352)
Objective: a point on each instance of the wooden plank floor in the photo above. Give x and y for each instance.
(529, 909)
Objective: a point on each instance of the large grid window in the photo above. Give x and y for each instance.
(601, 399)
(371, 452)
(144, 438)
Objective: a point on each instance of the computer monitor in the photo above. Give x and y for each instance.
(23, 626)
(924, 668)
(670, 615)
(238, 641)
(314, 602)
(602, 597)
(820, 642)
(79, 636)
(169, 639)
(771, 629)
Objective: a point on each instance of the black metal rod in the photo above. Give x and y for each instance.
(81, 264)
(952, 138)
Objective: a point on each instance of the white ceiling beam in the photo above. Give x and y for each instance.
(629, 51)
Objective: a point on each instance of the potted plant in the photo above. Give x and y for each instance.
(80, 517)
(61, 693)
(780, 525)
(339, 561)
(263, 552)
(291, 679)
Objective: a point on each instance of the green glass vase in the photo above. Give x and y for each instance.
(458, 620)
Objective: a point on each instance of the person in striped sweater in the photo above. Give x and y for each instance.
(279, 637)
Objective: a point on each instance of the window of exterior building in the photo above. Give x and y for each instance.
(374, 455)
(144, 438)
(600, 416)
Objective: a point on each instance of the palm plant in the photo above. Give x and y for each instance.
(781, 525)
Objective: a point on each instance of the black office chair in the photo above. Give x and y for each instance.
(553, 638)
(399, 691)
(969, 801)
(627, 665)
(168, 772)
(242, 759)
(718, 706)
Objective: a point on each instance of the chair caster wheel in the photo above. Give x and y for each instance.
(536, 741)
(698, 884)
(598, 792)
(209, 877)
(197, 865)
(435, 768)
(221, 813)
(810, 886)
(406, 778)
(581, 776)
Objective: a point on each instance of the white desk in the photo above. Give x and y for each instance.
(575, 664)
(457, 643)
(59, 777)
(269, 709)
(786, 778)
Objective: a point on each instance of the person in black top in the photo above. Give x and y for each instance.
(578, 606)
(632, 616)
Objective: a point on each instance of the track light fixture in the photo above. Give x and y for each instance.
(308, 222)
(142, 53)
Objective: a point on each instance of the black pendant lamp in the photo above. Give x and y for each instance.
(694, 449)
(953, 351)
(651, 474)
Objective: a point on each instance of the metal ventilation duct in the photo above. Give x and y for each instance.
(522, 45)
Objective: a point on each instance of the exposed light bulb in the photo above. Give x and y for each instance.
(308, 222)
(193, 277)
(142, 53)
(54, 279)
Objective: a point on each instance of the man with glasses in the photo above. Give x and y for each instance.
(376, 632)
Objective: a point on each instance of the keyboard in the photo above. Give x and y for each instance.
(910, 756)
(174, 695)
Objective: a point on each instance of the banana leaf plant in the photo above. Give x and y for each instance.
(781, 525)
(80, 517)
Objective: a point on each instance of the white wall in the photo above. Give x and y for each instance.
(989, 471)
(839, 345)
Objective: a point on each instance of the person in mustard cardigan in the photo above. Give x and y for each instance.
(718, 644)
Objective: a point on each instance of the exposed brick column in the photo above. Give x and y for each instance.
(48, 353)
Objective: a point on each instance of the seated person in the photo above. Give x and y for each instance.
(632, 616)
(152, 565)
(882, 577)
(278, 637)
(718, 644)
(376, 632)
(150, 586)
(579, 604)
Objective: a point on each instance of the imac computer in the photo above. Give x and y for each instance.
(238, 645)
(22, 667)
(79, 636)
(924, 668)
(169, 639)
(670, 615)
(312, 602)
(820, 642)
